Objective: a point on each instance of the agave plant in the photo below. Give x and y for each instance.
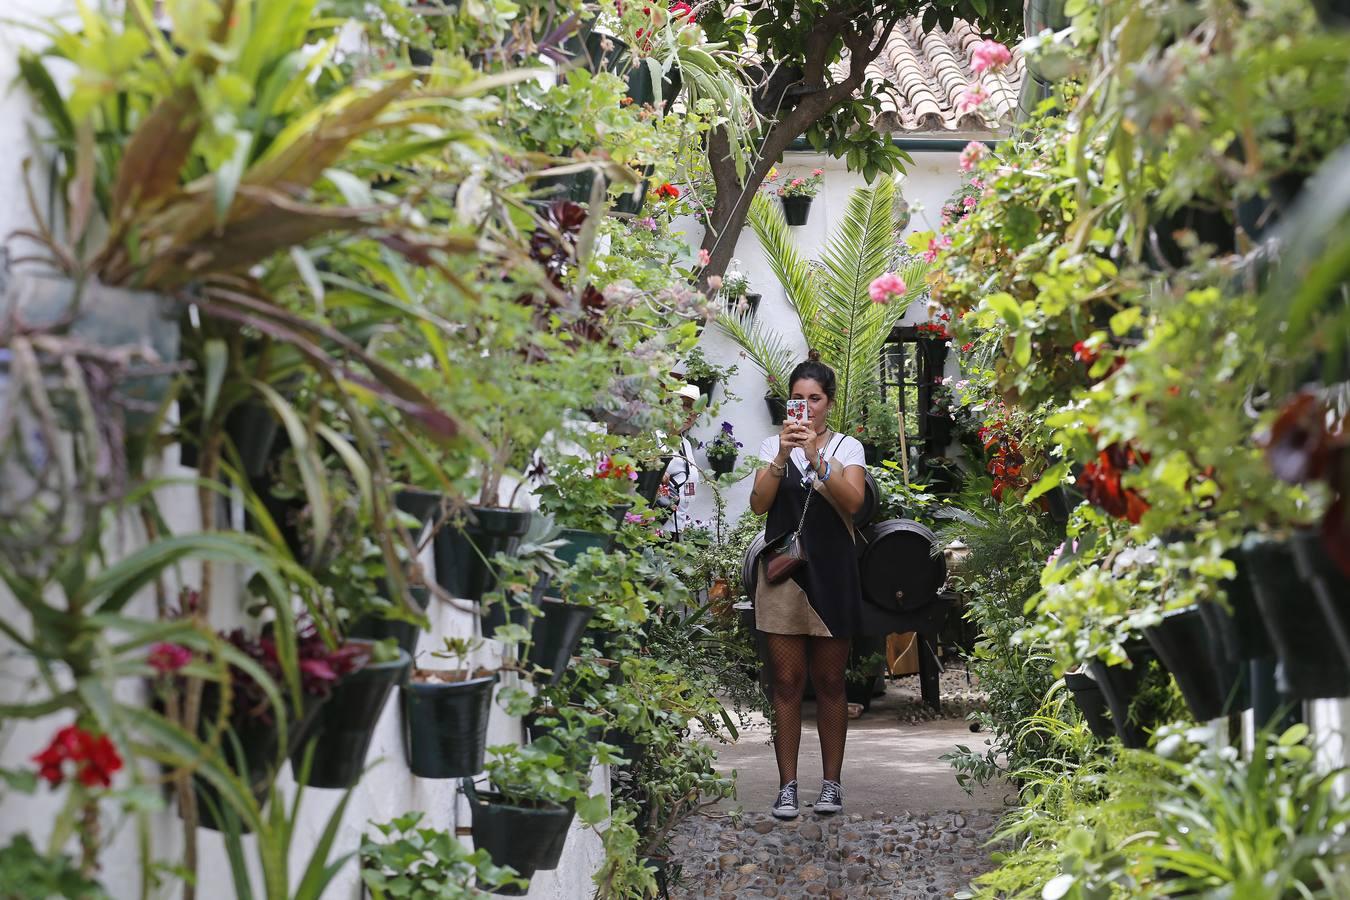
(830, 297)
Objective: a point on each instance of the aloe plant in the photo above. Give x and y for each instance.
(830, 297)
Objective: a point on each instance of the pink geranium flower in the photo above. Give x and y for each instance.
(817, 172)
(704, 257)
(887, 287)
(971, 156)
(935, 246)
(972, 98)
(968, 202)
(989, 56)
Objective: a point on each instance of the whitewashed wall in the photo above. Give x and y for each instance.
(388, 791)
(930, 180)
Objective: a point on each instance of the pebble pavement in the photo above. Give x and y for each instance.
(876, 854)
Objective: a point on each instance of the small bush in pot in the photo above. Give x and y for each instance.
(703, 374)
(428, 863)
(723, 449)
(445, 715)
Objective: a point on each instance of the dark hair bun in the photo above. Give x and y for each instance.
(815, 370)
(813, 355)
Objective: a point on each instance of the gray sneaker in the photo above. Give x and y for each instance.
(785, 807)
(831, 798)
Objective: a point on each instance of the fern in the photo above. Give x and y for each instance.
(830, 298)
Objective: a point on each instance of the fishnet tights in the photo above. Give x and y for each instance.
(789, 656)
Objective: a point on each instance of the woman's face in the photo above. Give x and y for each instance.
(817, 404)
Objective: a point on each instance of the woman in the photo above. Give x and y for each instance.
(811, 616)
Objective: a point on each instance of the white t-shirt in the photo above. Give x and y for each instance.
(847, 450)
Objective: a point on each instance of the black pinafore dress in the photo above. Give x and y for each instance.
(824, 597)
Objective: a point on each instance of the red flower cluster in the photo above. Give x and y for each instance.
(1100, 483)
(967, 346)
(935, 329)
(167, 658)
(1084, 354)
(608, 468)
(1005, 461)
(94, 756)
(682, 9)
(667, 191)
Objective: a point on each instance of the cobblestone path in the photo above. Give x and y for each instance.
(874, 854)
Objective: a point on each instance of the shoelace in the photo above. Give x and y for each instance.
(787, 796)
(830, 793)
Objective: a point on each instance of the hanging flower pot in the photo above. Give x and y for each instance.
(379, 628)
(104, 316)
(1088, 697)
(424, 506)
(796, 210)
(1310, 662)
(579, 541)
(574, 186)
(1120, 685)
(640, 85)
(1239, 629)
(509, 609)
(777, 408)
(462, 553)
(344, 725)
(1329, 586)
(630, 203)
(529, 839)
(871, 455)
(554, 637)
(1211, 685)
(705, 385)
(649, 480)
(445, 724)
(722, 465)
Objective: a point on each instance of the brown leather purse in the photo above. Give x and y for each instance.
(791, 556)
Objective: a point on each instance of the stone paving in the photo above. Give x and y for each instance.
(874, 854)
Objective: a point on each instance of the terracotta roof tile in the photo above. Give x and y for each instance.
(925, 73)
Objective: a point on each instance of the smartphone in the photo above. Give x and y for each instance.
(796, 409)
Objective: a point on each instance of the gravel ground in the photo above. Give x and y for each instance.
(877, 854)
(959, 697)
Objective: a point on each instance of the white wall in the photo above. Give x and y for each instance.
(388, 791)
(932, 178)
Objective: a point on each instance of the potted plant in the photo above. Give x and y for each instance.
(413, 861)
(796, 195)
(737, 298)
(723, 449)
(251, 744)
(703, 374)
(585, 495)
(342, 727)
(879, 431)
(522, 822)
(1211, 685)
(445, 715)
(1088, 697)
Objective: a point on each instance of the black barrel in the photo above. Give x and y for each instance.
(871, 500)
(901, 570)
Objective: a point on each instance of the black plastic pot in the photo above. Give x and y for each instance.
(422, 505)
(722, 465)
(378, 628)
(705, 385)
(445, 726)
(343, 727)
(1211, 686)
(1240, 630)
(1091, 703)
(1310, 662)
(871, 455)
(578, 541)
(1333, 13)
(777, 408)
(252, 750)
(939, 433)
(649, 481)
(529, 839)
(575, 186)
(503, 610)
(796, 210)
(1119, 685)
(640, 85)
(630, 203)
(462, 553)
(1329, 585)
(555, 635)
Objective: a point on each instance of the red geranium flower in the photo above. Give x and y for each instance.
(95, 758)
(668, 190)
(681, 9)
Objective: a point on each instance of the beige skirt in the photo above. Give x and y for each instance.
(784, 609)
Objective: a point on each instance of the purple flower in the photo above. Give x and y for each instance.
(726, 428)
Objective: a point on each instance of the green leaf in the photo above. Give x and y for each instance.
(217, 361)
(1123, 321)
(1052, 478)
(1022, 349)
(593, 809)
(1005, 306)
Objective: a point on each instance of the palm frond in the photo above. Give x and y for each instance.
(792, 270)
(767, 350)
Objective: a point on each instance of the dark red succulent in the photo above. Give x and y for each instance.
(1100, 482)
